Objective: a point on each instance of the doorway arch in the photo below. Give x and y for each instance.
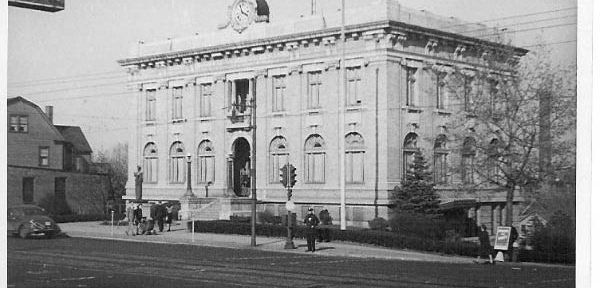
(239, 167)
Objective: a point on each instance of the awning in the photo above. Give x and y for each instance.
(459, 203)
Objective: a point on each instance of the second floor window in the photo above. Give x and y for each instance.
(150, 163)
(353, 86)
(205, 97)
(440, 90)
(314, 87)
(18, 124)
(411, 79)
(44, 156)
(150, 105)
(177, 112)
(468, 91)
(177, 163)
(278, 93)
(468, 161)
(440, 160)
(410, 148)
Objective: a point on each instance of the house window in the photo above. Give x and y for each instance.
(206, 162)
(279, 157)
(150, 163)
(440, 160)
(205, 96)
(440, 90)
(18, 124)
(355, 158)
(177, 113)
(44, 156)
(411, 79)
(314, 159)
(409, 149)
(278, 93)
(177, 163)
(353, 86)
(467, 161)
(494, 94)
(150, 105)
(314, 87)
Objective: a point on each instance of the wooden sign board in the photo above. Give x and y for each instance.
(502, 238)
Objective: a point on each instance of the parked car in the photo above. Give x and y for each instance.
(30, 220)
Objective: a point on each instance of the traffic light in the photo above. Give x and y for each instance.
(289, 194)
(292, 172)
(284, 176)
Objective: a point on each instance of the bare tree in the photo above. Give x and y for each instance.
(509, 124)
(116, 157)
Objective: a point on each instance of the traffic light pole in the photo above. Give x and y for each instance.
(289, 244)
(253, 169)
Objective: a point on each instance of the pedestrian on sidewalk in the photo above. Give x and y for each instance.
(130, 216)
(485, 249)
(169, 216)
(161, 214)
(324, 232)
(311, 221)
(137, 215)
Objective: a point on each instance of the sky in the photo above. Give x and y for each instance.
(68, 59)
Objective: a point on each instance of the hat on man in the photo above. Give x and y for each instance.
(310, 209)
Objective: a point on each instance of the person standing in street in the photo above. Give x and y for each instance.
(324, 233)
(311, 221)
(169, 216)
(130, 214)
(137, 215)
(485, 249)
(161, 213)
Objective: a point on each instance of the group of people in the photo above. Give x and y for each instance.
(485, 248)
(161, 213)
(313, 233)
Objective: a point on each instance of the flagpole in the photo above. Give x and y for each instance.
(342, 125)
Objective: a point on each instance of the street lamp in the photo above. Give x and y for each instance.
(188, 191)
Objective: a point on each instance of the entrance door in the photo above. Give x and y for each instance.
(27, 190)
(60, 197)
(241, 167)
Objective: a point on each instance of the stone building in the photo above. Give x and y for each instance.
(195, 96)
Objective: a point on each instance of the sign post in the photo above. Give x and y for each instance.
(502, 241)
(288, 179)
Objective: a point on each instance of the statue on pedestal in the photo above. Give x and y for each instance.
(139, 178)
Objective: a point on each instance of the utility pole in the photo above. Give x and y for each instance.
(253, 162)
(342, 126)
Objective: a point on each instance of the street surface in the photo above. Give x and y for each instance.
(80, 262)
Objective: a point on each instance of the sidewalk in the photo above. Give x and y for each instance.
(180, 235)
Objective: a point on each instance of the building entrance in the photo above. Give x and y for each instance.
(239, 168)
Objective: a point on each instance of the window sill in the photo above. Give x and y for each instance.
(205, 118)
(313, 111)
(279, 114)
(150, 123)
(353, 108)
(443, 111)
(412, 109)
(177, 121)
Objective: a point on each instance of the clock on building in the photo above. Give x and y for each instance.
(242, 14)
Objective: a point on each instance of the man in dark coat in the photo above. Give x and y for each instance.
(485, 249)
(514, 235)
(161, 213)
(137, 215)
(311, 221)
(324, 233)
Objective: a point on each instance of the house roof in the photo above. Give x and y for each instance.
(14, 100)
(75, 136)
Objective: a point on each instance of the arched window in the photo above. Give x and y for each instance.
(409, 149)
(150, 163)
(314, 159)
(279, 154)
(355, 158)
(206, 162)
(468, 161)
(440, 160)
(494, 160)
(177, 163)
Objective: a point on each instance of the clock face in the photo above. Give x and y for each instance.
(241, 15)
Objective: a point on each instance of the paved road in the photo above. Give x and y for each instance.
(79, 262)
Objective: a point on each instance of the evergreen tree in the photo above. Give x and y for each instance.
(417, 194)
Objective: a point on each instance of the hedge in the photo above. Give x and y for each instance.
(78, 218)
(374, 237)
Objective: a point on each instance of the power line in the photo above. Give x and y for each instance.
(65, 81)
(522, 23)
(74, 88)
(66, 77)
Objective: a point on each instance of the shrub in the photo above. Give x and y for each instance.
(378, 224)
(78, 218)
(553, 243)
(268, 218)
(418, 225)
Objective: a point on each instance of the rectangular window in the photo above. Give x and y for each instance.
(150, 105)
(440, 168)
(207, 169)
(277, 162)
(18, 124)
(440, 91)
(468, 172)
(278, 93)
(178, 170)
(353, 86)
(468, 90)
(151, 170)
(177, 113)
(354, 167)
(44, 156)
(205, 99)
(28, 190)
(411, 79)
(407, 160)
(314, 87)
(315, 167)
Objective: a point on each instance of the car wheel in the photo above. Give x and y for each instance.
(23, 232)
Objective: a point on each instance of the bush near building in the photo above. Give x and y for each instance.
(554, 242)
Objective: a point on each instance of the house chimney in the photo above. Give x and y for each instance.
(50, 113)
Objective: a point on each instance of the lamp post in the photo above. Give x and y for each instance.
(188, 191)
